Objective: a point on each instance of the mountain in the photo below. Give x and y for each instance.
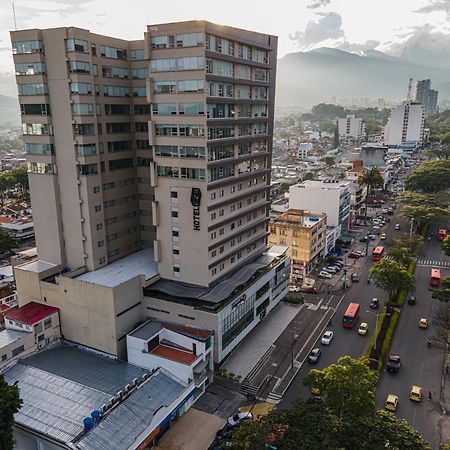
(308, 78)
(9, 111)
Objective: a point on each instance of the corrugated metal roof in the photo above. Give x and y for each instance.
(9, 336)
(31, 313)
(119, 429)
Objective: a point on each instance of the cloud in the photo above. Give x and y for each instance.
(435, 5)
(425, 46)
(354, 47)
(328, 26)
(318, 4)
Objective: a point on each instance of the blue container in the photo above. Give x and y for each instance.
(88, 423)
(96, 416)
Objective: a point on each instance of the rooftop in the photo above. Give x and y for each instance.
(31, 313)
(300, 218)
(123, 270)
(37, 266)
(10, 336)
(174, 354)
(64, 384)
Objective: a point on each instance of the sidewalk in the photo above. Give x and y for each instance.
(444, 423)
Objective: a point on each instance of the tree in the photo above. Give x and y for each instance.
(441, 325)
(347, 387)
(328, 160)
(440, 152)
(10, 403)
(391, 277)
(371, 179)
(308, 176)
(446, 245)
(20, 177)
(443, 293)
(403, 249)
(336, 136)
(430, 177)
(6, 183)
(422, 215)
(7, 241)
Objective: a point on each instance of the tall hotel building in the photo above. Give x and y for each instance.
(159, 148)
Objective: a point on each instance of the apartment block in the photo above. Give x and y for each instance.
(420, 91)
(405, 125)
(304, 234)
(352, 128)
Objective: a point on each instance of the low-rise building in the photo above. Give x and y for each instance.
(20, 228)
(304, 234)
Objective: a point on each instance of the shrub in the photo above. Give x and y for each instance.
(293, 299)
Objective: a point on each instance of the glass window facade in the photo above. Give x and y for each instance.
(31, 68)
(86, 150)
(79, 67)
(33, 89)
(23, 47)
(191, 86)
(164, 87)
(81, 88)
(115, 72)
(164, 109)
(137, 55)
(37, 129)
(191, 109)
(221, 68)
(40, 149)
(41, 168)
(82, 109)
(116, 91)
(77, 45)
(189, 39)
(139, 74)
(112, 52)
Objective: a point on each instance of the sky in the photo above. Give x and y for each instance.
(393, 26)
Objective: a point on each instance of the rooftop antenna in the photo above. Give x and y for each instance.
(14, 14)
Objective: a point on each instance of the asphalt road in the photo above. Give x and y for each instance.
(421, 366)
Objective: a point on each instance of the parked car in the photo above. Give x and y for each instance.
(324, 274)
(294, 289)
(239, 418)
(339, 264)
(354, 255)
(360, 253)
(330, 269)
(393, 363)
(327, 337)
(412, 300)
(363, 239)
(374, 304)
(309, 290)
(391, 402)
(363, 328)
(354, 277)
(385, 211)
(397, 226)
(314, 355)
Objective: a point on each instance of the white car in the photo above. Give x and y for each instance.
(238, 418)
(397, 226)
(294, 289)
(324, 274)
(327, 337)
(383, 236)
(330, 269)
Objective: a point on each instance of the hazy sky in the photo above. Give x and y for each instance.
(300, 24)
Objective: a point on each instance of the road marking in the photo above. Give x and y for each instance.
(329, 300)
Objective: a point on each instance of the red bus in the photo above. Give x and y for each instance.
(441, 234)
(351, 315)
(435, 278)
(378, 253)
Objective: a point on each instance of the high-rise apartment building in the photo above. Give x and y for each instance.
(351, 127)
(405, 125)
(149, 165)
(420, 91)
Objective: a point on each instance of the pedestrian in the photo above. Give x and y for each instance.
(446, 369)
(430, 395)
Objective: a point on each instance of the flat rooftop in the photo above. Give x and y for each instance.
(123, 270)
(8, 337)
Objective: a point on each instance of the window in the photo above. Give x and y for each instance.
(163, 65)
(117, 109)
(192, 173)
(192, 130)
(77, 45)
(98, 208)
(140, 127)
(140, 73)
(220, 110)
(116, 91)
(102, 260)
(82, 109)
(165, 87)
(260, 110)
(189, 39)
(191, 152)
(261, 56)
(115, 72)
(141, 109)
(117, 164)
(186, 86)
(213, 272)
(31, 68)
(223, 152)
(139, 91)
(220, 172)
(220, 45)
(118, 127)
(261, 75)
(143, 162)
(85, 150)
(221, 89)
(39, 149)
(244, 72)
(168, 172)
(137, 55)
(33, 89)
(22, 47)
(18, 351)
(221, 68)
(79, 67)
(81, 88)
(47, 323)
(166, 130)
(41, 168)
(112, 52)
(221, 132)
(191, 109)
(190, 63)
(162, 41)
(87, 169)
(244, 91)
(261, 93)
(37, 129)
(112, 253)
(42, 109)
(164, 109)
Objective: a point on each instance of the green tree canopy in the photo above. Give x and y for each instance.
(7, 241)
(443, 292)
(391, 277)
(336, 141)
(328, 160)
(405, 248)
(10, 403)
(446, 245)
(430, 177)
(371, 179)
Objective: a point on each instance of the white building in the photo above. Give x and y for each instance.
(421, 92)
(303, 149)
(405, 125)
(330, 197)
(351, 127)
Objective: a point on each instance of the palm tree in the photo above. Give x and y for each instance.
(371, 179)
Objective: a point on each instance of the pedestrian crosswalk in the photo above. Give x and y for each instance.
(432, 263)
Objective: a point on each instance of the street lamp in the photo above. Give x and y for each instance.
(376, 326)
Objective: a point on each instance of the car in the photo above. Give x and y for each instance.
(412, 300)
(239, 418)
(363, 239)
(376, 227)
(327, 337)
(330, 269)
(363, 328)
(423, 323)
(354, 255)
(339, 264)
(397, 226)
(360, 253)
(383, 236)
(393, 363)
(309, 290)
(385, 211)
(390, 212)
(415, 394)
(374, 304)
(391, 402)
(354, 277)
(372, 237)
(324, 274)
(314, 355)
(294, 289)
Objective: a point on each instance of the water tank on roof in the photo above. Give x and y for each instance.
(96, 416)
(314, 219)
(88, 423)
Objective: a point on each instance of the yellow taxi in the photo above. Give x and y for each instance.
(416, 394)
(391, 402)
(423, 323)
(363, 328)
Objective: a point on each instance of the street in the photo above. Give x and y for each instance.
(421, 365)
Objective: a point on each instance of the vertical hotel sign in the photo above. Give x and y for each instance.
(196, 197)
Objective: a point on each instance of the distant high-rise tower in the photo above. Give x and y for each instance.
(421, 92)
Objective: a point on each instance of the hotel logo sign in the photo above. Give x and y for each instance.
(196, 197)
